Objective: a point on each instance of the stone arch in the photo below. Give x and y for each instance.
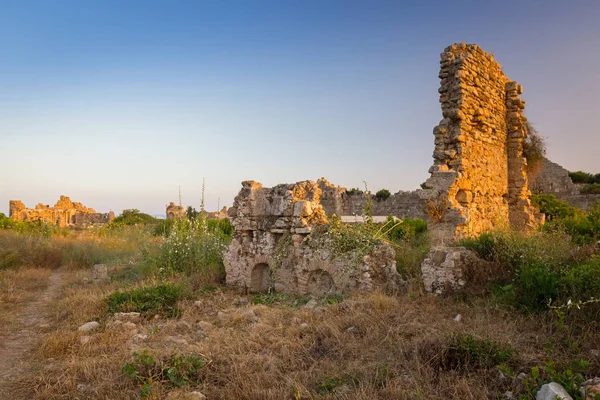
(171, 215)
(261, 277)
(319, 283)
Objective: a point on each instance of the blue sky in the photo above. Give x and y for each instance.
(116, 103)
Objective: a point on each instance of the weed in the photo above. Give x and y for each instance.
(161, 299)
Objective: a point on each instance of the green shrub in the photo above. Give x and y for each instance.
(467, 352)
(133, 217)
(382, 195)
(591, 188)
(354, 192)
(160, 299)
(407, 229)
(553, 207)
(176, 371)
(194, 245)
(584, 177)
(534, 147)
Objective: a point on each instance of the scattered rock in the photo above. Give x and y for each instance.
(89, 326)
(552, 391)
(458, 318)
(100, 273)
(205, 326)
(198, 303)
(134, 317)
(351, 329)
(312, 303)
(508, 395)
(242, 301)
(179, 395)
(200, 334)
(304, 327)
(590, 388)
(85, 339)
(140, 337)
(122, 326)
(82, 387)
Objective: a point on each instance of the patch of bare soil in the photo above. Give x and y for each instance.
(30, 320)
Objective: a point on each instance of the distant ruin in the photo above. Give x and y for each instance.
(64, 213)
(174, 211)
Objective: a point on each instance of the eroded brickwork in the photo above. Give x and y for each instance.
(478, 163)
(64, 213)
(174, 211)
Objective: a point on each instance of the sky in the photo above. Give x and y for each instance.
(118, 103)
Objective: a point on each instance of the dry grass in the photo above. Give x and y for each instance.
(367, 347)
(16, 288)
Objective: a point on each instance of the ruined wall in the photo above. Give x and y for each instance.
(174, 211)
(64, 213)
(337, 200)
(478, 157)
(270, 246)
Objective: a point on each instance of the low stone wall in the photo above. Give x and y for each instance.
(339, 201)
(272, 246)
(64, 213)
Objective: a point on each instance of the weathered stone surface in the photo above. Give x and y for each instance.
(444, 268)
(552, 391)
(269, 250)
(64, 213)
(134, 317)
(590, 389)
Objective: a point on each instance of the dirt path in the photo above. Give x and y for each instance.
(14, 353)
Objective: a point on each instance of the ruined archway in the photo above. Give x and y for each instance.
(319, 283)
(260, 278)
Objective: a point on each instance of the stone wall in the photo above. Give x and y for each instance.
(479, 168)
(341, 202)
(64, 213)
(271, 248)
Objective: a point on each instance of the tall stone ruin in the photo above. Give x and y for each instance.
(479, 167)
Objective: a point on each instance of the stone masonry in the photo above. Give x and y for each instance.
(479, 168)
(270, 247)
(64, 213)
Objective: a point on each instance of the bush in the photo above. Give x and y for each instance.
(160, 299)
(194, 245)
(534, 147)
(590, 188)
(553, 207)
(382, 195)
(584, 177)
(133, 217)
(466, 352)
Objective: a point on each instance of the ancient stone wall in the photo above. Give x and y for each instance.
(64, 213)
(478, 167)
(341, 202)
(271, 248)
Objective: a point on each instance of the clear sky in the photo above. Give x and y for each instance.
(116, 103)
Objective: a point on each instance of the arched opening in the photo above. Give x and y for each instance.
(261, 278)
(320, 283)
(170, 215)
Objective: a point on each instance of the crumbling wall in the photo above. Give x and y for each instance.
(271, 248)
(64, 213)
(341, 202)
(479, 168)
